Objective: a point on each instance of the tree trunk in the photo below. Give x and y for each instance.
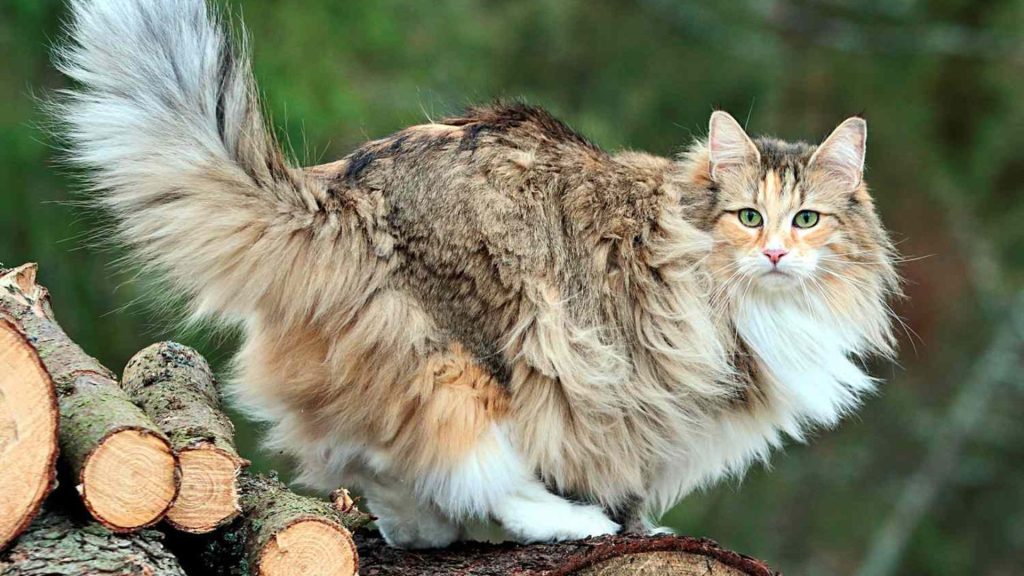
(176, 388)
(28, 432)
(605, 556)
(56, 545)
(108, 443)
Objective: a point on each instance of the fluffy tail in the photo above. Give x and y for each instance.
(167, 119)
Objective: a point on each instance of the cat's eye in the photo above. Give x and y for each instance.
(806, 219)
(750, 218)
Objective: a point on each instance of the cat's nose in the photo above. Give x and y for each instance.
(775, 254)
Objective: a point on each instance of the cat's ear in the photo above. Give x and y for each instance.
(728, 145)
(841, 155)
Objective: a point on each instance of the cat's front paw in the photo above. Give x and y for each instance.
(594, 522)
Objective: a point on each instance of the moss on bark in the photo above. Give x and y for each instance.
(92, 406)
(176, 388)
(57, 545)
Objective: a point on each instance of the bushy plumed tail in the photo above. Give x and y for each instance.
(167, 119)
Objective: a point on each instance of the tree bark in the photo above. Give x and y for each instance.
(278, 533)
(57, 545)
(108, 443)
(606, 556)
(176, 388)
(28, 432)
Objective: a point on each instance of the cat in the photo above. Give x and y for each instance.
(489, 325)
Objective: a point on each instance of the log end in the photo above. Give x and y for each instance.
(308, 547)
(208, 498)
(130, 479)
(28, 432)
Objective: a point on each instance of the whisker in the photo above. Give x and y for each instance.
(907, 330)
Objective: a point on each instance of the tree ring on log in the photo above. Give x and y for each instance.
(130, 479)
(208, 497)
(300, 550)
(28, 432)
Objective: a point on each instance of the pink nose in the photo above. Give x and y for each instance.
(775, 254)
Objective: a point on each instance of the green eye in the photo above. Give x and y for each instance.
(750, 218)
(806, 219)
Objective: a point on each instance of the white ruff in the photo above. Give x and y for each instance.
(809, 353)
(814, 381)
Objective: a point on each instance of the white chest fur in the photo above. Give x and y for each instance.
(809, 354)
(813, 380)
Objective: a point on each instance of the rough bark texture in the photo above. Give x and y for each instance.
(93, 410)
(176, 388)
(268, 510)
(56, 545)
(606, 556)
(28, 432)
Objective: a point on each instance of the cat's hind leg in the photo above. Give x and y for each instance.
(406, 522)
(492, 484)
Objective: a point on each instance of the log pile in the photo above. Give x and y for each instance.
(151, 482)
(106, 441)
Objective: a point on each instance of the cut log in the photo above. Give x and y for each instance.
(56, 545)
(176, 388)
(28, 432)
(279, 533)
(123, 466)
(606, 556)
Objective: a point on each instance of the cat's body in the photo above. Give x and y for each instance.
(488, 321)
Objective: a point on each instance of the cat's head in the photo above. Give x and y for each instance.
(793, 218)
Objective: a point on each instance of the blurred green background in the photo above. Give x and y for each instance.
(928, 478)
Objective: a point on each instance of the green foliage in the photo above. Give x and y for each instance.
(940, 82)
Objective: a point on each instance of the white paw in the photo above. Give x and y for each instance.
(528, 521)
(595, 523)
(418, 533)
(660, 530)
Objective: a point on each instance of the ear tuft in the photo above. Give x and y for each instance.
(728, 145)
(841, 155)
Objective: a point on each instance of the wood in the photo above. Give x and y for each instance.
(28, 432)
(305, 546)
(606, 556)
(343, 501)
(176, 388)
(122, 465)
(58, 545)
(209, 495)
(279, 533)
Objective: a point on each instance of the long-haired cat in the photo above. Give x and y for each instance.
(488, 322)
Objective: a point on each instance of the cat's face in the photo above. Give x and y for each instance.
(794, 217)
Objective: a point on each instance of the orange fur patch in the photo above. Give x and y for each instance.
(376, 385)
(460, 402)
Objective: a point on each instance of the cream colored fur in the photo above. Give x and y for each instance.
(688, 363)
